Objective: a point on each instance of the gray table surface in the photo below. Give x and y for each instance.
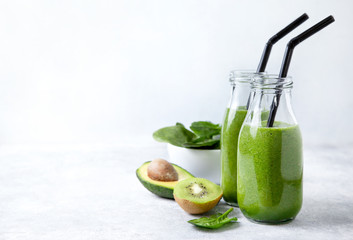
(91, 192)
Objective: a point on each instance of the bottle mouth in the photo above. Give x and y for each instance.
(243, 76)
(272, 81)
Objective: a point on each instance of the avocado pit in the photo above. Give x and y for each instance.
(161, 170)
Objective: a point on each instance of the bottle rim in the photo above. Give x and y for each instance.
(272, 81)
(242, 76)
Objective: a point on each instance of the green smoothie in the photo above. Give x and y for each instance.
(270, 171)
(233, 121)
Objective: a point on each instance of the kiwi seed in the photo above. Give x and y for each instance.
(202, 191)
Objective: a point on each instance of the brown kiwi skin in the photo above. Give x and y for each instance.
(197, 208)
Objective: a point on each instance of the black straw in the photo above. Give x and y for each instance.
(275, 38)
(287, 58)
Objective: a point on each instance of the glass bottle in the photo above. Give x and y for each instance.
(270, 166)
(236, 111)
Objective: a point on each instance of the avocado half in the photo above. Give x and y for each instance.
(161, 188)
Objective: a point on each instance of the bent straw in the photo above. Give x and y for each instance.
(287, 58)
(275, 38)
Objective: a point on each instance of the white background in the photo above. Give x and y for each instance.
(101, 71)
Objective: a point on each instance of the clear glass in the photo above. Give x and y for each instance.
(234, 116)
(270, 165)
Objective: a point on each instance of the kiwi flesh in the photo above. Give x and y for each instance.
(197, 195)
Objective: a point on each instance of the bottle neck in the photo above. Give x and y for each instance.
(240, 92)
(263, 102)
(241, 83)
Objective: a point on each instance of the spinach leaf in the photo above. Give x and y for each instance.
(205, 129)
(202, 142)
(176, 135)
(216, 137)
(206, 135)
(214, 221)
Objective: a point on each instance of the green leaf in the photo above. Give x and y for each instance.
(214, 221)
(202, 142)
(206, 136)
(176, 135)
(205, 129)
(216, 137)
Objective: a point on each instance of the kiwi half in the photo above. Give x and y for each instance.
(197, 195)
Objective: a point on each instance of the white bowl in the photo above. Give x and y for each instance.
(203, 163)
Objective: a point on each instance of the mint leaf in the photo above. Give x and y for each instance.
(215, 221)
(176, 135)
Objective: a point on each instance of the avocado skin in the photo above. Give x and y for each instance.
(162, 191)
(158, 190)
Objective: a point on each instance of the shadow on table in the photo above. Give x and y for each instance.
(324, 213)
(315, 214)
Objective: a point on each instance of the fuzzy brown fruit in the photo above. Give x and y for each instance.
(161, 170)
